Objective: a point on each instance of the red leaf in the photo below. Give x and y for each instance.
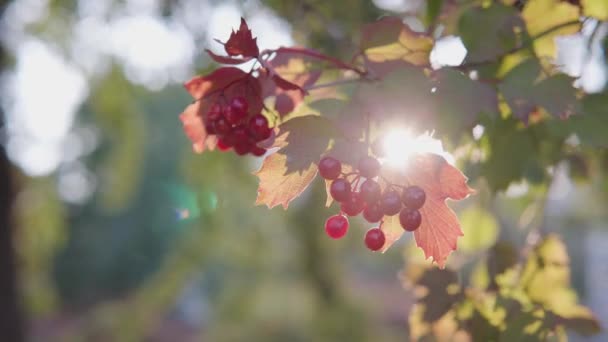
(226, 60)
(217, 87)
(440, 228)
(277, 186)
(242, 42)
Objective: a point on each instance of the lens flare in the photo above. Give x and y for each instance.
(399, 145)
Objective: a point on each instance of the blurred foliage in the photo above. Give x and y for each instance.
(521, 307)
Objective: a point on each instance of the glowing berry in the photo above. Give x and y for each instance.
(354, 205)
(369, 167)
(370, 191)
(390, 203)
(340, 190)
(336, 226)
(330, 168)
(258, 127)
(410, 219)
(373, 213)
(374, 239)
(413, 197)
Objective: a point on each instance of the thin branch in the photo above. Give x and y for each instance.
(526, 44)
(317, 55)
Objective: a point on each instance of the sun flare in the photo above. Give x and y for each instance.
(399, 145)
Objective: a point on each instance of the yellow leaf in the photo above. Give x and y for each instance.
(542, 15)
(596, 8)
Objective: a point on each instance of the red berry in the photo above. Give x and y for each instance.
(222, 126)
(222, 145)
(209, 127)
(373, 213)
(243, 147)
(390, 203)
(240, 134)
(413, 197)
(354, 206)
(374, 239)
(370, 191)
(336, 226)
(239, 105)
(340, 190)
(410, 219)
(330, 168)
(232, 116)
(258, 127)
(258, 151)
(214, 112)
(369, 167)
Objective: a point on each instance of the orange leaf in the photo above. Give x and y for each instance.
(279, 187)
(195, 129)
(440, 228)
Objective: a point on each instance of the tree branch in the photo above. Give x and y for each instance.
(526, 44)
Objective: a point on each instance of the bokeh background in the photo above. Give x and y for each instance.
(124, 234)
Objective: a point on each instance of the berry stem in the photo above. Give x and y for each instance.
(356, 182)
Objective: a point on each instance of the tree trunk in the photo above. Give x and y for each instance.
(11, 324)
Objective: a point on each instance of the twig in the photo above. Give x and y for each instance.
(526, 44)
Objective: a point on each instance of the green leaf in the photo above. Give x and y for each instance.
(502, 165)
(524, 90)
(490, 32)
(595, 8)
(306, 138)
(461, 100)
(438, 290)
(433, 9)
(591, 126)
(480, 229)
(404, 95)
(550, 264)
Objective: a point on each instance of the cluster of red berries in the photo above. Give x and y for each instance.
(369, 199)
(234, 129)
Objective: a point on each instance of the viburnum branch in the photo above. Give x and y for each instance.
(315, 54)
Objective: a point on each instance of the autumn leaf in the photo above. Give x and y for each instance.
(277, 186)
(222, 84)
(440, 228)
(287, 172)
(242, 42)
(390, 39)
(195, 129)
